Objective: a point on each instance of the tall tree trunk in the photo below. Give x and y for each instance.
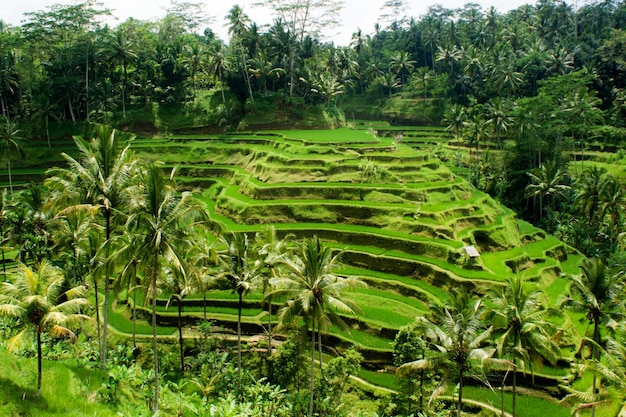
(98, 324)
(514, 385)
(319, 346)
(154, 334)
(124, 91)
(180, 337)
(39, 360)
(48, 132)
(269, 328)
(135, 319)
(87, 84)
(4, 265)
(596, 355)
(107, 265)
(239, 343)
(9, 169)
(460, 401)
(312, 382)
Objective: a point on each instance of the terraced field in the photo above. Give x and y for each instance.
(404, 235)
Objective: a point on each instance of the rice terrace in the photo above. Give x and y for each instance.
(219, 216)
(413, 232)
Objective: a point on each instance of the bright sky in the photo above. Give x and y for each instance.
(356, 14)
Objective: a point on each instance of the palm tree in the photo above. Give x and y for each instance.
(598, 293)
(271, 250)
(521, 325)
(99, 178)
(589, 186)
(45, 110)
(457, 339)
(181, 283)
(401, 64)
(422, 77)
(37, 298)
(547, 183)
(11, 142)
(238, 21)
(314, 293)
(71, 228)
(612, 203)
(5, 207)
(120, 49)
(164, 218)
(240, 271)
(455, 118)
(217, 66)
(127, 255)
(610, 367)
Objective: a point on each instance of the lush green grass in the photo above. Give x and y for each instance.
(337, 136)
(67, 389)
(527, 405)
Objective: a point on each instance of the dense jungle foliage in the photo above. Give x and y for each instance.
(527, 107)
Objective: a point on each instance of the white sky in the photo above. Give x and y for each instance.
(355, 14)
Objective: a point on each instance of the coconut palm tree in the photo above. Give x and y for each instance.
(402, 65)
(547, 183)
(99, 178)
(455, 118)
(598, 293)
(120, 49)
(11, 143)
(522, 327)
(164, 219)
(5, 208)
(181, 283)
(37, 297)
(240, 272)
(314, 293)
(271, 250)
(458, 341)
(127, 256)
(610, 367)
(613, 203)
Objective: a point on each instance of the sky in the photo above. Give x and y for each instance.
(356, 14)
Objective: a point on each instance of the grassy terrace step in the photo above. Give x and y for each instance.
(414, 291)
(409, 261)
(371, 213)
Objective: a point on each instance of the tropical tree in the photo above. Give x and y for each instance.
(457, 339)
(402, 65)
(164, 219)
(547, 183)
(613, 203)
(610, 367)
(588, 190)
(99, 178)
(240, 271)
(271, 250)
(522, 327)
(181, 283)
(5, 209)
(455, 118)
(237, 28)
(41, 302)
(600, 295)
(11, 143)
(314, 293)
(121, 49)
(45, 109)
(127, 257)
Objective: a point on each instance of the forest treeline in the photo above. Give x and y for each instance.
(530, 93)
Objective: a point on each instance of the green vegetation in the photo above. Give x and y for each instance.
(235, 265)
